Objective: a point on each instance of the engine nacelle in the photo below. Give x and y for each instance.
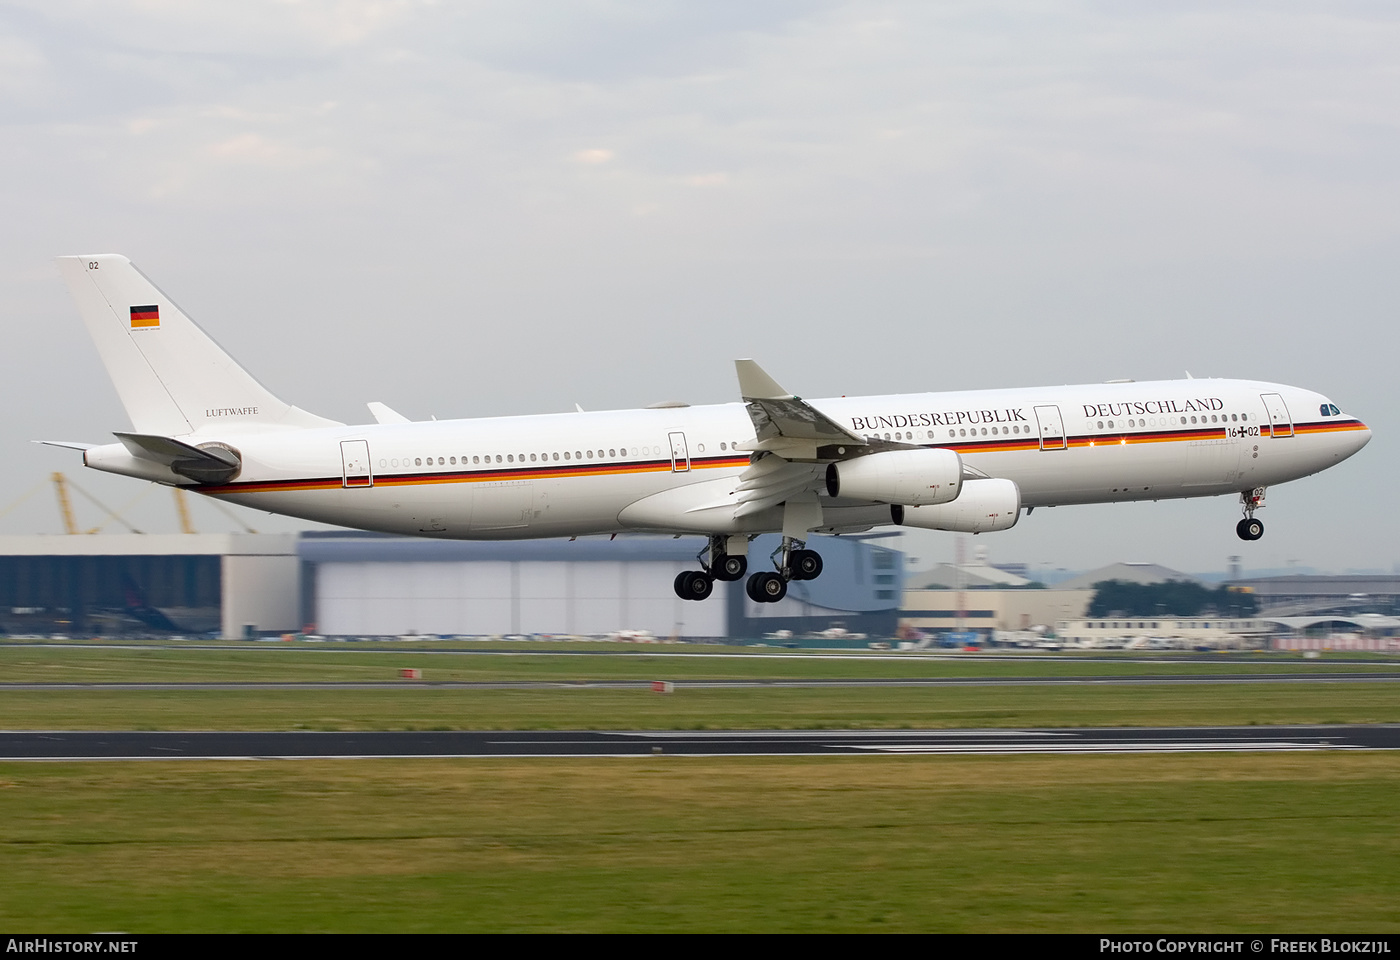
(909, 477)
(983, 506)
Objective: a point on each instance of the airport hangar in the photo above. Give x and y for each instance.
(356, 584)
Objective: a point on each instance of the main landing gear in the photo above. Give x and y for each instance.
(699, 584)
(1250, 528)
(792, 560)
(796, 563)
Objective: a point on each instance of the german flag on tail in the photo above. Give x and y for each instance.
(145, 316)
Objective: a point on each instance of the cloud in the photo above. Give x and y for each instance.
(594, 156)
(966, 192)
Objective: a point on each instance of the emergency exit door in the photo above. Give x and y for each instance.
(354, 459)
(1280, 421)
(680, 453)
(1052, 427)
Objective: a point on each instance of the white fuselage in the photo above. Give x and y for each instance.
(674, 469)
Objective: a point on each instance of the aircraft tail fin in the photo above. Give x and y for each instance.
(171, 377)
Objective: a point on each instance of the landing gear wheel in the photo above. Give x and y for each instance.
(806, 564)
(1250, 529)
(694, 585)
(727, 567)
(766, 587)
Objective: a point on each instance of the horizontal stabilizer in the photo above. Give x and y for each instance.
(209, 463)
(67, 444)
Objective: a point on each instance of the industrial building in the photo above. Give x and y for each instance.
(133, 583)
(366, 584)
(1305, 595)
(360, 584)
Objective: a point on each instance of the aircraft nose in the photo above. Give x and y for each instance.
(1355, 439)
(1363, 436)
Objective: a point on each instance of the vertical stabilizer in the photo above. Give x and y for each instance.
(171, 377)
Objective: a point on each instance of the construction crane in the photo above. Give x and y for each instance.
(64, 488)
(65, 506)
(182, 510)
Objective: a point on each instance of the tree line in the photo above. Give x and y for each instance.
(1174, 598)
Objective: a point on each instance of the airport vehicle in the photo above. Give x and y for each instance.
(968, 461)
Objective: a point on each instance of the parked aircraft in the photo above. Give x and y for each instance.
(970, 461)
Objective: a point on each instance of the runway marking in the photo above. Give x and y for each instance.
(1125, 747)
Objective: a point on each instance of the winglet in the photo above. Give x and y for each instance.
(755, 384)
(783, 423)
(383, 414)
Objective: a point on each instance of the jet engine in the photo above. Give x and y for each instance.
(910, 477)
(983, 506)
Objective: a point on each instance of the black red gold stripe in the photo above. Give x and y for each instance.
(496, 475)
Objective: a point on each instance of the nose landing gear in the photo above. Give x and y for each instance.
(1250, 528)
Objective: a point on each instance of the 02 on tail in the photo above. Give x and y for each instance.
(772, 462)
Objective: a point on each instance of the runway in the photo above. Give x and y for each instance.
(301, 745)
(713, 684)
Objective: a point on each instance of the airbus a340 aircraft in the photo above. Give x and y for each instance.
(774, 463)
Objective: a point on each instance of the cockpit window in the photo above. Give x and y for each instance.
(1327, 409)
(1336, 411)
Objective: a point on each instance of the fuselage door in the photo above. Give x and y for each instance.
(680, 453)
(1052, 427)
(1280, 421)
(354, 458)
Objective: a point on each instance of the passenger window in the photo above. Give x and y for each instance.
(417, 462)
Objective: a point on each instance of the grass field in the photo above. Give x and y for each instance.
(760, 708)
(573, 705)
(1237, 842)
(1255, 842)
(356, 662)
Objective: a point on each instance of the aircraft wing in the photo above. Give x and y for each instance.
(787, 431)
(783, 423)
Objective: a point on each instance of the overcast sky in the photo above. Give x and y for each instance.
(485, 208)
